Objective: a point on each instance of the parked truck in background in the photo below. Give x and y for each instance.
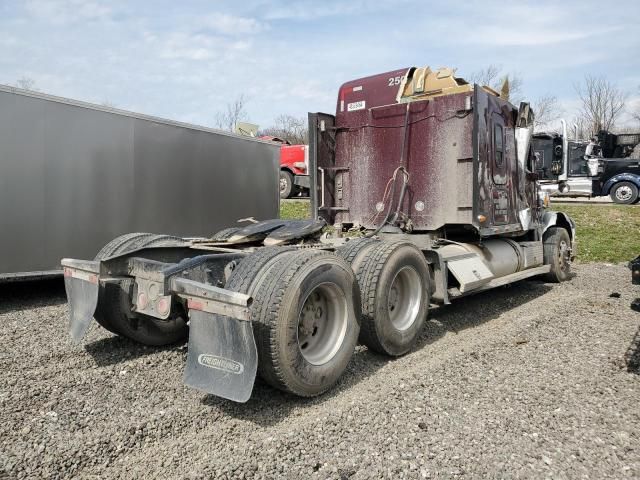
(435, 180)
(608, 164)
(294, 168)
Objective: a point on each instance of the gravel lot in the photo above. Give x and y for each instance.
(526, 381)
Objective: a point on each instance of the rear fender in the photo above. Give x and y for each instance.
(621, 177)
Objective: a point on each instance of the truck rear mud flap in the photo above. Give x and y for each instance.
(82, 287)
(222, 358)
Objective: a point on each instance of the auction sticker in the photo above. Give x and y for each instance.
(352, 107)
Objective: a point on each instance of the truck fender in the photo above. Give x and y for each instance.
(561, 219)
(620, 177)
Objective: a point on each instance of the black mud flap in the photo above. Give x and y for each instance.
(82, 286)
(222, 357)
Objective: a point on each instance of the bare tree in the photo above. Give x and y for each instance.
(601, 103)
(26, 83)
(636, 114)
(234, 112)
(486, 76)
(290, 128)
(508, 84)
(546, 109)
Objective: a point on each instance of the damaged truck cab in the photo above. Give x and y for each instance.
(429, 184)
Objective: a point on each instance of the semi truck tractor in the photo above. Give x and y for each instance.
(424, 191)
(606, 165)
(294, 167)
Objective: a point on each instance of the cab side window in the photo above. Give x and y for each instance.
(499, 160)
(498, 143)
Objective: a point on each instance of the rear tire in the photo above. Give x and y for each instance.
(556, 251)
(115, 310)
(224, 235)
(306, 310)
(354, 251)
(394, 282)
(624, 193)
(286, 184)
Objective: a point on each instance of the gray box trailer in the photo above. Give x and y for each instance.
(75, 175)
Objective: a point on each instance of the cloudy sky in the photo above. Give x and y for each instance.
(185, 60)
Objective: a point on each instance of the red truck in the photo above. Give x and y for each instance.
(294, 167)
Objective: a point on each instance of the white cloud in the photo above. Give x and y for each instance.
(312, 9)
(523, 36)
(232, 25)
(169, 58)
(69, 11)
(196, 46)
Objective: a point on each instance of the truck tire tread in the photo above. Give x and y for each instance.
(369, 274)
(268, 301)
(551, 240)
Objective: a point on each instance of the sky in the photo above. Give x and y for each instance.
(186, 60)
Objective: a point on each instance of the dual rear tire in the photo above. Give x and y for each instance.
(115, 312)
(394, 282)
(305, 313)
(310, 308)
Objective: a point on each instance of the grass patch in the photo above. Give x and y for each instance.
(295, 209)
(606, 233)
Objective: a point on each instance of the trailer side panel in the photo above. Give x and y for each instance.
(73, 176)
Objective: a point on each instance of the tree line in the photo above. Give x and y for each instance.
(601, 102)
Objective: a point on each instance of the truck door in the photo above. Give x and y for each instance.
(500, 153)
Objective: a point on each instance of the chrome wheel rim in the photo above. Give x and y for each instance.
(283, 185)
(405, 295)
(624, 193)
(322, 323)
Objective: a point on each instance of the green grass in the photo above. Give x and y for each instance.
(606, 233)
(295, 209)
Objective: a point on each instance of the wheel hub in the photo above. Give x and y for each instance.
(322, 323)
(564, 254)
(404, 298)
(624, 193)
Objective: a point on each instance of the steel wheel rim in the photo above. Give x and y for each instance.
(404, 298)
(322, 323)
(283, 184)
(563, 255)
(624, 193)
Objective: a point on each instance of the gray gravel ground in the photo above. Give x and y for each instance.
(527, 381)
